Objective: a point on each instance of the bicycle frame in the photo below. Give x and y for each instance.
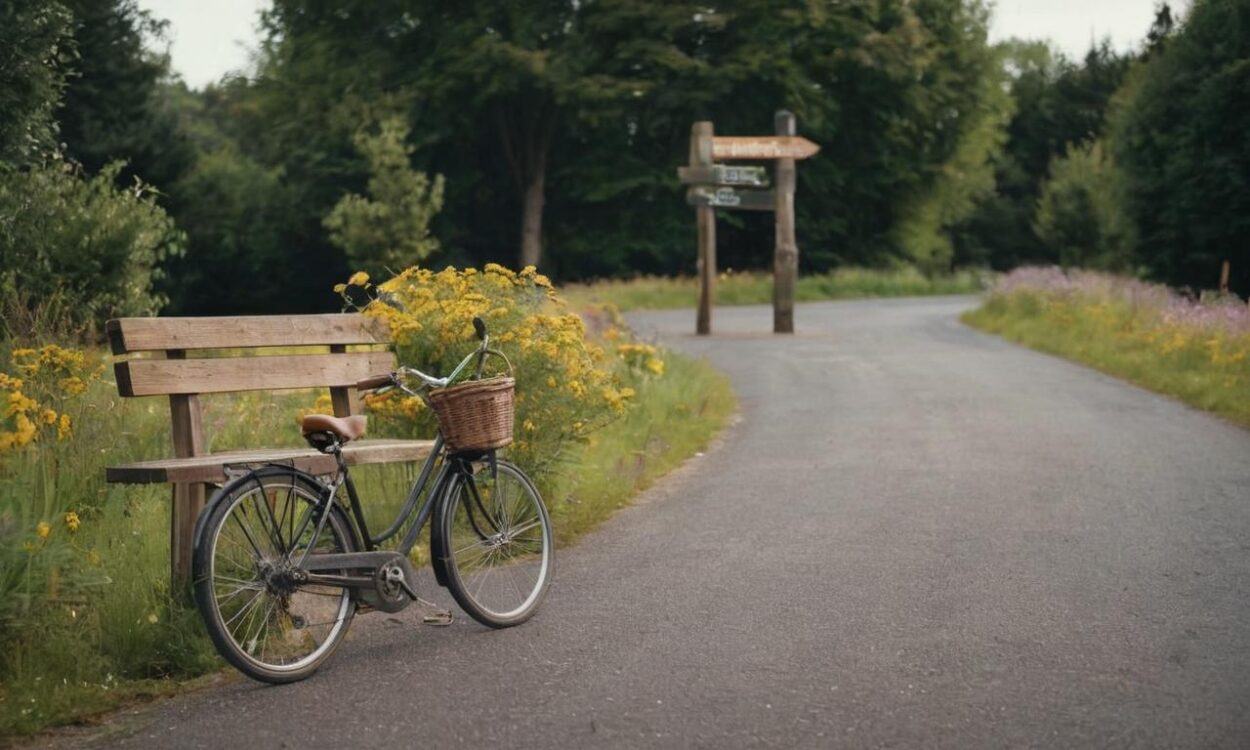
(410, 504)
(370, 556)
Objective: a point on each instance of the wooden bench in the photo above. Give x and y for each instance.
(175, 357)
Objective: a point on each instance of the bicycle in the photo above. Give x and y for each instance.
(280, 567)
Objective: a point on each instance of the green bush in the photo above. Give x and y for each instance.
(1078, 215)
(65, 234)
(568, 385)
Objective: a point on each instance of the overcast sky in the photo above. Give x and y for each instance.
(210, 38)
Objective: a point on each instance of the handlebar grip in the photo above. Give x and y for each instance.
(479, 325)
(375, 381)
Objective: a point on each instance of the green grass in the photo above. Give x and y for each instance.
(755, 288)
(1205, 369)
(121, 636)
(677, 417)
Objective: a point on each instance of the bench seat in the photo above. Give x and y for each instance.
(211, 468)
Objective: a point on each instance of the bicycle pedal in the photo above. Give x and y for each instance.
(438, 618)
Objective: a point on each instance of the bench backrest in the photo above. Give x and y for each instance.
(190, 356)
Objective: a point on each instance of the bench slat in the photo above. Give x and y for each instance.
(211, 468)
(153, 377)
(155, 334)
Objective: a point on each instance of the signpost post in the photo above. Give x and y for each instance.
(742, 188)
(705, 218)
(786, 248)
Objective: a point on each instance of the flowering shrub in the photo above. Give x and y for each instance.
(43, 384)
(567, 384)
(40, 394)
(1196, 348)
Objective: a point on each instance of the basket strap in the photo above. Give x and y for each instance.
(504, 357)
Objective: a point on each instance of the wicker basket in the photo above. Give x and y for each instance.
(477, 415)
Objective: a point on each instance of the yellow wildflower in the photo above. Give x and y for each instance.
(73, 386)
(43, 530)
(63, 428)
(47, 416)
(72, 521)
(340, 288)
(360, 278)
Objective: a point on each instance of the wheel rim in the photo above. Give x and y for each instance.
(500, 548)
(269, 619)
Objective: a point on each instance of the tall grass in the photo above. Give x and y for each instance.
(756, 288)
(75, 651)
(1197, 350)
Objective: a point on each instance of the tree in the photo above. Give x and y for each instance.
(113, 107)
(238, 258)
(390, 229)
(1180, 141)
(965, 179)
(34, 43)
(1059, 104)
(520, 75)
(1160, 29)
(568, 118)
(1079, 217)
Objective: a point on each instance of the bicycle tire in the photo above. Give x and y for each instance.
(494, 543)
(236, 540)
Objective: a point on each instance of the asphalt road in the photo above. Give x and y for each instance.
(916, 536)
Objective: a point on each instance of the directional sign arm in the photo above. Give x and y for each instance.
(763, 147)
(726, 197)
(724, 174)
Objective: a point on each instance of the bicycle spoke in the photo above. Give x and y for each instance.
(247, 533)
(259, 500)
(250, 642)
(525, 528)
(259, 596)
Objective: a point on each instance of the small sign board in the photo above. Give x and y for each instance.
(727, 197)
(763, 147)
(724, 174)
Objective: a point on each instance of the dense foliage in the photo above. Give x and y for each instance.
(81, 239)
(86, 242)
(33, 42)
(558, 127)
(1180, 140)
(375, 135)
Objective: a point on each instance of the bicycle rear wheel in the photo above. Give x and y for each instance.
(261, 619)
(497, 544)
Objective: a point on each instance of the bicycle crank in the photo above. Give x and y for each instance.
(386, 586)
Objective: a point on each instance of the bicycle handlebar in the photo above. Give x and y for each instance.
(393, 379)
(374, 382)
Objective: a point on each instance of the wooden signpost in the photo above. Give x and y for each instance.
(740, 188)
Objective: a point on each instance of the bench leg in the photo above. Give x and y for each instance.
(188, 502)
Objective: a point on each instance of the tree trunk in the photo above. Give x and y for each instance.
(526, 140)
(532, 216)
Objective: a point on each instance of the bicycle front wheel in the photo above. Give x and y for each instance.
(261, 618)
(498, 548)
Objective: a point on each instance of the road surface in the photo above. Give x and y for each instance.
(916, 535)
